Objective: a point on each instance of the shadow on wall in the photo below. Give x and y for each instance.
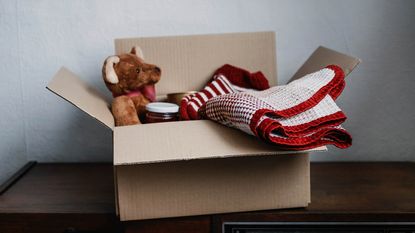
(81, 133)
(376, 99)
(12, 156)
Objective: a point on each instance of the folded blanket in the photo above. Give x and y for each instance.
(297, 116)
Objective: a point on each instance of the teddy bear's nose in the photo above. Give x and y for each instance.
(157, 70)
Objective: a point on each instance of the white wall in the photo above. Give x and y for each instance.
(37, 37)
(12, 123)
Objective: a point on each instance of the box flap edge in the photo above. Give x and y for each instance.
(86, 99)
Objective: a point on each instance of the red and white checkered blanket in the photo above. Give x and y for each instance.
(297, 116)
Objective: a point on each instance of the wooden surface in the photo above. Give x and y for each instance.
(347, 192)
(363, 187)
(16, 176)
(58, 197)
(62, 188)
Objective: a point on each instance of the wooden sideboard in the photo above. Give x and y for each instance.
(354, 197)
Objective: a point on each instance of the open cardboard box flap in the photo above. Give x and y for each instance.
(187, 63)
(185, 140)
(77, 92)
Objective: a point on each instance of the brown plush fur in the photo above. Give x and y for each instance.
(133, 73)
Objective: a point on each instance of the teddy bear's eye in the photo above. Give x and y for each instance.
(137, 70)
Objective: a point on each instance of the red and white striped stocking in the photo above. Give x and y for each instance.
(227, 79)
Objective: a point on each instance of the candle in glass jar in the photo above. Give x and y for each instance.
(161, 112)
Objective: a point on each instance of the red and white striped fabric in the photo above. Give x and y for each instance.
(297, 116)
(236, 80)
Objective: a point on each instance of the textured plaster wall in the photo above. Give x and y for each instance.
(12, 120)
(37, 37)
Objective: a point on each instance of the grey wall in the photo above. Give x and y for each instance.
(12, 120)
(37, 37)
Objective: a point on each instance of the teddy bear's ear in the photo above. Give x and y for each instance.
(137, 51)
(110, 75)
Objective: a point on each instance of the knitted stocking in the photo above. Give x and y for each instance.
(236, 80)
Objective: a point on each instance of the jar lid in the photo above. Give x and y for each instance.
(162, 107)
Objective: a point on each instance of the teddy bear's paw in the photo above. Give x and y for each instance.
(124, 111)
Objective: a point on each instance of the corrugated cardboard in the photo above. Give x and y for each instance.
(197, 187)
(184, 140)
(77, 92)
(188, 62)
(198, 167)
(323, 57)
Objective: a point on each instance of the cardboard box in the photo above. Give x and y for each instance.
(199, 167)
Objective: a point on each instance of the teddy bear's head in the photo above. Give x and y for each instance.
(127, 73)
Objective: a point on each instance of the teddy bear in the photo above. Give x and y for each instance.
(131, 82)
